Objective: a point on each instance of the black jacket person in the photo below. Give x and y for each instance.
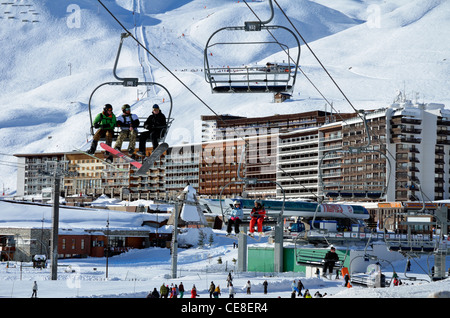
(154, 124)
(330, 258)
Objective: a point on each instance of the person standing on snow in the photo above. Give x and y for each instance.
(128, 124)
(265, 286)
(229, 279)
(105, 122)
(236, 217)
(307, 294)
(216, 292)
(35, 289)
(231, 290)
(248, 286)
(153, 294)
(211, 289)
(300, 287)
(294, 289)
(194, 292)
(257, 217)
(181, 289)
(174, 293)
(330, 258)
(154, 124)
(163, 290)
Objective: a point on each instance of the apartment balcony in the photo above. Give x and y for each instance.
(413, 169)
(439, 189)
(443, 142)
(443, 131)
(405, 120)
(405, 130)
(404, 139)
(443, 122)
(401, 176)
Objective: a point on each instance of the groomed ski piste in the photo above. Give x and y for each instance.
(136, 273)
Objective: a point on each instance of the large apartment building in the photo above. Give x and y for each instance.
(398, 153)
(229, 127)
(31, 178)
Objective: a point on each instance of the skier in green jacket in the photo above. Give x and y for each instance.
(105, 122)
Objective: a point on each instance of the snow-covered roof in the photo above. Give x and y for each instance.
(17, 215)
(408, 112)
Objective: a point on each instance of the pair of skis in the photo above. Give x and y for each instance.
(142, 167)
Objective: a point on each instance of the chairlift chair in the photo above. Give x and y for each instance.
(133, 82)
(274, 77)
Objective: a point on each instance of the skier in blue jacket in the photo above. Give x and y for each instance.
(236, 216)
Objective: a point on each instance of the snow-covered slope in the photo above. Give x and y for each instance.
(49, 68)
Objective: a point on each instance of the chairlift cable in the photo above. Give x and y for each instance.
(11, 164)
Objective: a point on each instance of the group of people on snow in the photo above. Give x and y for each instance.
(214, 290)
(169, 292)
(128, 123)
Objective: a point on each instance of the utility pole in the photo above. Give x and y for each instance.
(107, 246)
(174, 247)
(440, 255)
(57, 170)
(55, 228)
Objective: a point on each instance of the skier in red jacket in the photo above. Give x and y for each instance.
(257, 215)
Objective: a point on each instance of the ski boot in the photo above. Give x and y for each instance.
(93, 148)
(109, 157)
